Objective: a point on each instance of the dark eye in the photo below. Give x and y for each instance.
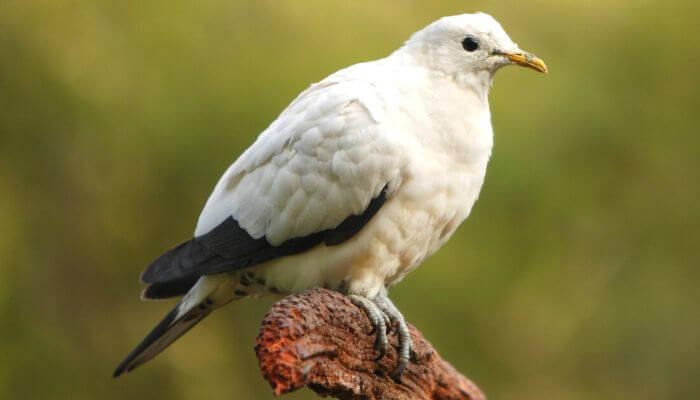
(470, 43)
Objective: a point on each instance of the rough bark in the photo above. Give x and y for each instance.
(321, 340)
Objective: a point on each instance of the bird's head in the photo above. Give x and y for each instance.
(468, 44)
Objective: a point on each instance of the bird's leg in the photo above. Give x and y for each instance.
(383, 302)
(378, 319)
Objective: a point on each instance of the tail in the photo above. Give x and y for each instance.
(199, 302)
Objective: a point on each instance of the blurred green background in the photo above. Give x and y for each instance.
(576, 276)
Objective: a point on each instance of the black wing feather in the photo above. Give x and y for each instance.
(165, 290)
(229, 247)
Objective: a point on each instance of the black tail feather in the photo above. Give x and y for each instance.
(165, 290)
(166, 332)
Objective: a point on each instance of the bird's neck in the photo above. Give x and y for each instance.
(476, 82)
(458, 126)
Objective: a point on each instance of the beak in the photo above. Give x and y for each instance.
(527, 60)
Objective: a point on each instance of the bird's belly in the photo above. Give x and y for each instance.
(411, 225)
(427, 215)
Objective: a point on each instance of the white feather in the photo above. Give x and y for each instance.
(417, 122)
(325, 148)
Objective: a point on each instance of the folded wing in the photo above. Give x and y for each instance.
(315, 176)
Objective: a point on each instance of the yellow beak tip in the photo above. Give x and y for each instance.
(542, 67)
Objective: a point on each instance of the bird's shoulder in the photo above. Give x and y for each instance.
(322, 160)
(350, 95)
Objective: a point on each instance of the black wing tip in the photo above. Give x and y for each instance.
(163, 263)
(177, 287)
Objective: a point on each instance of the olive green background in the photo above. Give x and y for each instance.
(576, 276)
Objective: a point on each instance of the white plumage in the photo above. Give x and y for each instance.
(414, 126)
(322, 160)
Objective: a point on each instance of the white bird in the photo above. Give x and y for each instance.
(359, 179)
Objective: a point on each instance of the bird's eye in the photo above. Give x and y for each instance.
(470, 43)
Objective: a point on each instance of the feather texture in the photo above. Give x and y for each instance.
(321, 161)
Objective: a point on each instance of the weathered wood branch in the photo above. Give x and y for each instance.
(321, 340)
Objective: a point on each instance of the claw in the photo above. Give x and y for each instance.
(414, 356)
(382, 353)
(399, 370)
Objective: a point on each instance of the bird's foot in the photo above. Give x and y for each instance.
(379, 320)
(405, 343)
(383, 314)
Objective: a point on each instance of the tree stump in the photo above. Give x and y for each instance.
(320, 339)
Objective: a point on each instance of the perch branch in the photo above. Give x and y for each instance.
(321, 340)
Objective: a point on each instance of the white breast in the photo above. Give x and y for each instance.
(443, 168)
